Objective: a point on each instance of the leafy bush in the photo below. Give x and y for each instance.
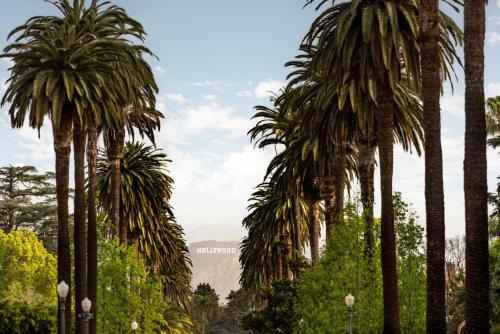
(127, 292)
(344, 268)
(22, 318)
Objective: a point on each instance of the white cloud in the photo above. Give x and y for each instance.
(207, 83)
(267, 88)
(492, 89)
(210, 97)
(493, 38)
(244, 93)
(453, 105)
(179, 98)
(496, 19)
(498, 3)
(160, 71)
(197, 120)
(215, 195)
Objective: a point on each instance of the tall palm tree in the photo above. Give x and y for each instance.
(92, 138)
(372, 49)
(104, 20)
(58, 71)
(145, 189)
(434, 193)
(475, 172)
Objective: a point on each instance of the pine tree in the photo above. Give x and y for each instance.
(28, 199)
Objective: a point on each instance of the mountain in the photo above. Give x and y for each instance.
(216, 263)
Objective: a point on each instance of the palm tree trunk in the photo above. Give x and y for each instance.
(314, 229)
(278, 267)
(366, 163)
(79, 222)
(329, 196)
(286, 253)
(115, 154)
(434, 193)
(339, 183)
(62, 147)
(123, 225)
(475, 173)
(92, 224)
(385, 127)
(297, 224)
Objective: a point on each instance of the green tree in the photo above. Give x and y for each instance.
(205, 307)
(238, 304)
(62, 70)
(124, 281)
(344, 268)
(28, 199)
(278, 316)
(27, 270)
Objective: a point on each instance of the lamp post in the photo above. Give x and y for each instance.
(62, 292)
(135, 325)
(86, 305)
(349, 301)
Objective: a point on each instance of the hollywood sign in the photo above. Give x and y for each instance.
(212, 250)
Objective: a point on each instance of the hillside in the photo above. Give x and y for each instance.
(216, 263)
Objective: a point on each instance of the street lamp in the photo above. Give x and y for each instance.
(86, 305)
(62, 291)
(349, 301)
(135, 325)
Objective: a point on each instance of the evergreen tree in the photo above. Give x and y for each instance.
(28, 199)
(205, 307)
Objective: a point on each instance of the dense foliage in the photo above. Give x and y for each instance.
(27, 284)
(128, 292)
(27, 269)
(278, 314)
(22, 318)
(344, 268)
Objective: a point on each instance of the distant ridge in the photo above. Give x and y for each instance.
(216, 263)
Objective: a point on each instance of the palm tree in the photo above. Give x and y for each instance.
(302, 162)
(145, 189)
(264, 252)
(475, 172)
(46, 79)
(146, 120)
(434, 193)
(109, 21)
(271, 129)
(372, 49)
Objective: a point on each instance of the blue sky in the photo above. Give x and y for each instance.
(218, 59)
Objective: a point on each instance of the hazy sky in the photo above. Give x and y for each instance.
(218, 59)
